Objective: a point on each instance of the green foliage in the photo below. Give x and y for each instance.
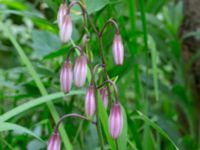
(158, 104)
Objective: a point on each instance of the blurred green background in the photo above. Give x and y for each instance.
(154, 79)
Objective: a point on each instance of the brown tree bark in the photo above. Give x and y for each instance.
(191, 46)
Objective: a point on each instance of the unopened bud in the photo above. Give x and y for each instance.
(54, 142)
(90, 105)
(80, 71)
(66, 76)
(104, 96)
(118, 49)
(115, 121)
(61, 13)
(66, 28)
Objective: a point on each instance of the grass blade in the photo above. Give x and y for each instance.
(5, 126)
(33, 103)
(40, 86)
(104, 121)
(155, 126)
(154, 59)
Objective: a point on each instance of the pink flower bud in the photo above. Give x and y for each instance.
(118, 49)
(66, 76)
(80, 71)
(115, 121)
(90, 105)
(104, 96)
(66, 28)
(54, 142)
(61, 13)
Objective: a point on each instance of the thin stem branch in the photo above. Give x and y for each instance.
(85, 39)
(64, 1)
(73, 3)
(97, 109)
(100, 35)
(73, 48)
(114, 86)
(106, 77)
(110, 21)
(117, 146)
(84, 12)
(98, 117)
(92, 24)
(71, 116)
(97, 67)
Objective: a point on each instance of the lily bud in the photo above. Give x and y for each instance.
(54, 142)
(115, 121)
(118, 49)
(66, 76)
(104, 96)
(90, 105)
(61, 13)
(80, 71)
(66, 28)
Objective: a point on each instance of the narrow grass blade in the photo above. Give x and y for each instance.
(104, 121)
(155, 126)
(33, 103)
(39, 84)
(154, 59)
(5, 126)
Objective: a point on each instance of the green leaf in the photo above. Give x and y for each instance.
(155, 126)
(33, 103)
(59, 52)
(93, 6)
(44, 43)
(5, 126)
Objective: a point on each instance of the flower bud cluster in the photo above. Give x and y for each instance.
(79, 74)
(64, 23)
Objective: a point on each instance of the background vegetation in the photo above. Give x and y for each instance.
(153, 86)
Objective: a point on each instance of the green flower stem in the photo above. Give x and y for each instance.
(97, 108)
(98, 118)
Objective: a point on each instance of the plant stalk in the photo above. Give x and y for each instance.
(98, 123)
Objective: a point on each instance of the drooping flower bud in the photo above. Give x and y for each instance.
(66, 76)
(80, 71)
(104, 96)
(115, 121)
(90, 105)
(61, 13)
(54, 142)
(118, 49)
(66, 28)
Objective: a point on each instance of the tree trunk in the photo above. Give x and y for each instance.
(191, 45)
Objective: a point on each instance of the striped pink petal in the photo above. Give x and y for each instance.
(54, 142)
(115, 121)
(66, 76)
(118, 49)
(66, 29)
(104, 96)
(61, 13)
(80, 71)
(90, 105)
